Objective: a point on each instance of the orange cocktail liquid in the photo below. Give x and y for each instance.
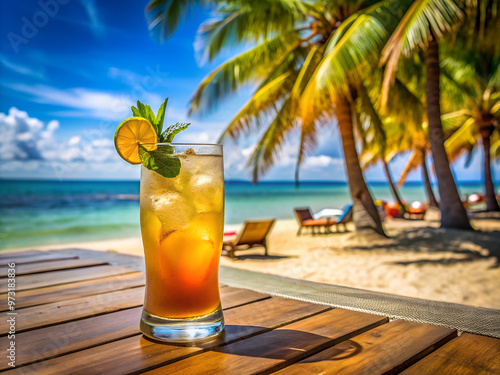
(182, 228)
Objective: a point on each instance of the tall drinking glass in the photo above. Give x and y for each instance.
(182, 221)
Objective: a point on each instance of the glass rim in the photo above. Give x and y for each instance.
(182, 144)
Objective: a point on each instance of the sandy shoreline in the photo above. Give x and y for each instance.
(418, 260)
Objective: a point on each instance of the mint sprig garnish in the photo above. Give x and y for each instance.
(162, 162)
(160, 117)
(169, 133)
(145, 111)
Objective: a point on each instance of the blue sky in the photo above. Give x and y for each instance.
(70, 69)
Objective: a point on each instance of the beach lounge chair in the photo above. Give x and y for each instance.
(306, 220)
(416, 210)
(476, 198)
(254, 233)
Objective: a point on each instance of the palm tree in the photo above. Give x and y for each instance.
(308, 61)
(407, 132)
(370, 156)
(424, 24)
(475, 25)
(477, 78)
(373, 129)
(407, 104)
(417, 159)
(293, 43)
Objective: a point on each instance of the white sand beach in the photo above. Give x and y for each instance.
(418, 260)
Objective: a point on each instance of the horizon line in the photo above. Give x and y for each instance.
(243, 181)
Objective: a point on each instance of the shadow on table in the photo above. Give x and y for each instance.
(284, 344)
(281, 344)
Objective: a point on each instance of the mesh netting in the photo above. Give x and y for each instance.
(464, 318)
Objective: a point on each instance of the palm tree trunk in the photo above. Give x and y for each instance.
(393, 188)
(427, 182)
(297, 178)
(491, 200)
(453, 213)
(365, 213)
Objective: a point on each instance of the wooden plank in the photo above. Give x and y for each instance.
(17, 254)
(387, 349)
(78, 308)
(467, 354)
(54, 341)
(69, 337)
(277, 348)
(137, 353)
(35, 259)
(232, 297)
(78, 289)
(54, 265)
(63, 277)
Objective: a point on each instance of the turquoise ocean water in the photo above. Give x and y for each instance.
(36, 213)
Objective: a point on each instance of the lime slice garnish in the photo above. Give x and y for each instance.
(130, 134)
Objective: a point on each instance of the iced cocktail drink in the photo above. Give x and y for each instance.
(182, 222)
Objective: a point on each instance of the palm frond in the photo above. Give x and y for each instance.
(359, 130)
(262, 105)
(352, 48)
(495, 145)
(495, 109)
(494, 80)
(247, 21)
(414, 162)
(453, 120)
(289, 117)
(290, 113)
(308, 130)
(374, 132)
(423, 20)
(454, 94)
(163, 16)
(482, 27)
(268, 147)
(368, 159)
(308, 143)
(254, 65)
(405, 106)
(463, 140)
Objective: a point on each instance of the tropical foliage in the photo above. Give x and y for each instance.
(477, 78)
(319, 63)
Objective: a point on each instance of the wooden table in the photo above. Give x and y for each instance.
(81, 316)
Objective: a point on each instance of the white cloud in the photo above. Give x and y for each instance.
(73, 141)
(246, 152)
(126, 76)
(287, 156)
(20, 69)
(319, 161)
(142, 87)
(17, 165)
(102, 143)
(26, 138)
(85, 102)
(22, 136)
(29, 148)
(202, 137)
(236, 160)
(95, 23)
(191, 135)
